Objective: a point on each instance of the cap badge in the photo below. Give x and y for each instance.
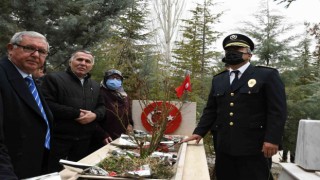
(252, 82)
(233, 37)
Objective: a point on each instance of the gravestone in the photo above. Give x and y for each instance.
(144, 114)
(307, 159)
(308, 145)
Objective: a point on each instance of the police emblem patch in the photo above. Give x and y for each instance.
(233, 37)
(252, 82)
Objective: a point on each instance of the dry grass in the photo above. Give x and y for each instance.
(160, 168)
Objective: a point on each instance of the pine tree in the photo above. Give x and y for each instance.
(68, 24)
(305, 67)
(285, 1)
(315, 31)
(299, 87)
(128, 50)
(302, 85)
(273, 42)
(195, 52)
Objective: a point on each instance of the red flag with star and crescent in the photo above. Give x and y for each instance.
(185, 86)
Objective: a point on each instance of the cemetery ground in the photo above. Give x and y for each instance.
(275, 169)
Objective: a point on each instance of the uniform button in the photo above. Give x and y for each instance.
(231, 123)
(232, 104)
(232, 94)
(231, 114)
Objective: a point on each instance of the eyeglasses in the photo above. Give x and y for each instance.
(31, 50)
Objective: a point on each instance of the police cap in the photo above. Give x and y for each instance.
(238, 40)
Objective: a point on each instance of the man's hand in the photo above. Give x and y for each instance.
(86, 117)
(81, 114)
(269, 149)
(107, 140)
(129, 128)
(193, 137)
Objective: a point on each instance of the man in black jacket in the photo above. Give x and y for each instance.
(76, 104)
(25, 118)
(247, 110)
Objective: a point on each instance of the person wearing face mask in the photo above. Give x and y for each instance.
(247, 110)
(118, 118)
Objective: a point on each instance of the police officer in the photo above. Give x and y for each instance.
(247, 109)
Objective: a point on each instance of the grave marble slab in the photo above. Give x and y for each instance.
(292, 171)
(188, 113)
(308, 145)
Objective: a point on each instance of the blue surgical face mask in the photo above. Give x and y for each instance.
(114, 84)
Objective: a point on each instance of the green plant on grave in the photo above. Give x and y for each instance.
(120, 165)
(159, 119)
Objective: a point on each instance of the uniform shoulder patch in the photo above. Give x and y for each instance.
(221, 73)
(268, 67)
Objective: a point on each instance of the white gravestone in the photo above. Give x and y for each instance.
(187, 122)
(308, 145)
(292, 171)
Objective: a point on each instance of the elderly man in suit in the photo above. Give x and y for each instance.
(25, 119)
(247, 110)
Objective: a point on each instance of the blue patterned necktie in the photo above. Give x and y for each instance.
(35, 94)
(235, 80)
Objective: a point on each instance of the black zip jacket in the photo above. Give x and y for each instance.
(65, 96)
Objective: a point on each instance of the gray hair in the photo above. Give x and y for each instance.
(249, 50)
(83, 51)
(17, 37)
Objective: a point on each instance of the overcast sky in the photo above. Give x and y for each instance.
(236, 11)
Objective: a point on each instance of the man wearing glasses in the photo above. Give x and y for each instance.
(25, 118)
(76, 104)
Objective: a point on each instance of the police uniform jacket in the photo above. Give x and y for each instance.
(255, 112)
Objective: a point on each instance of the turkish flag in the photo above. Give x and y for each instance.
(186, 85)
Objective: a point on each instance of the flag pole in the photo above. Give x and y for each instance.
(185, 91)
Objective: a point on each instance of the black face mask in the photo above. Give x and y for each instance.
(233, 57)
